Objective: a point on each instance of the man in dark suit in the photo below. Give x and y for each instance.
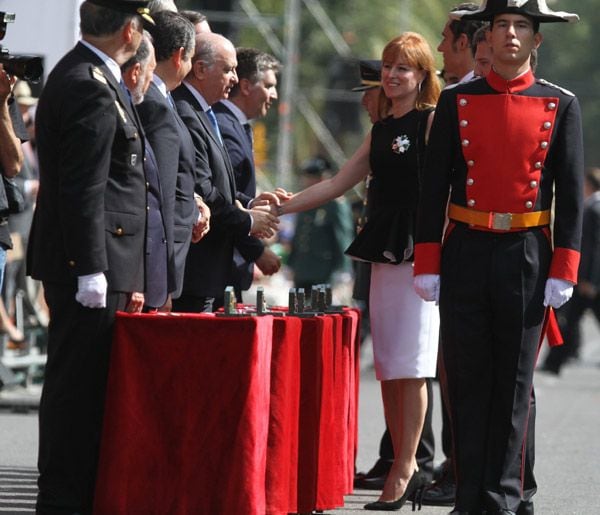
(249, 99)
(208, 264)
(172, 144)
(87, 241)
(137, 75)
(587, 292)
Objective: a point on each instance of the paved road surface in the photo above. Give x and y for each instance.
(568, 442)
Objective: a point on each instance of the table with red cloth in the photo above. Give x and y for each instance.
(229, 415)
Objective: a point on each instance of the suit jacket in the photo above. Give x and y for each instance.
(208, 264)
(91, 210)
(239, 147)
(175, 155)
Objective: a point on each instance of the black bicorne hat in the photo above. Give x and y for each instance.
(139, 7)
(370, 75)
(536, 9)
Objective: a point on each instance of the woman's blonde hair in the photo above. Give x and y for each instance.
(415, 50)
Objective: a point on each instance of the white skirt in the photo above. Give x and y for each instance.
(404, 328)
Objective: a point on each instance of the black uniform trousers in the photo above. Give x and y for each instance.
(491, 309)
(72, 403)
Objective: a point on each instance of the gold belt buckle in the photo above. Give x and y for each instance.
(502, 221)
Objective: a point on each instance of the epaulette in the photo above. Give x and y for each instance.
(98, 75)
(544, 82)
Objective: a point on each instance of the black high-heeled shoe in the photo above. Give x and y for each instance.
(414, 488)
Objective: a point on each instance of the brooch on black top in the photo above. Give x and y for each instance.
(400, 144)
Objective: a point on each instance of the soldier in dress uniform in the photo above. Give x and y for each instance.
(87, 240)
(321, 234)
(504, 146)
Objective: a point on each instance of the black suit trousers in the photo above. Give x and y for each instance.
(72, 403)
(491, 308)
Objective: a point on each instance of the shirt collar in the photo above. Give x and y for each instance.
(520, 83)
(203, 103)
(239, 114)
(469, 76)
(112, 65)
(160, 84)
(594, 197)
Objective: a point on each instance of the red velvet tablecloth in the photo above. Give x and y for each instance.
(282, 452)
(328, 412)
(186, 420)
(211, 415)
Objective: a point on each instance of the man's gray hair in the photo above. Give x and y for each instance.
(252, 64)
(206, 50)
(142, 56)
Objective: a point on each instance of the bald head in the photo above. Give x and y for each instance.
(213, 70)
(208, 45)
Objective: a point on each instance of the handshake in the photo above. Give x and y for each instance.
(264, 211)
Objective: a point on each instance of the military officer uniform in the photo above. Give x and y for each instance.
(502, 150)
(90, 218)
(321, 236)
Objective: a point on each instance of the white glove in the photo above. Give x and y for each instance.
(427, 286)
(91, 290)
(557, 292)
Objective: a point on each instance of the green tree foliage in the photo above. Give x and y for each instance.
(366, 26)
(567, 56)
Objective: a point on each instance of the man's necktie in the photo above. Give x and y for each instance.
(127, 92)
(170, 99)
(248, 131)
(213, 121)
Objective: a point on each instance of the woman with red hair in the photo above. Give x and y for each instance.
(404, 328)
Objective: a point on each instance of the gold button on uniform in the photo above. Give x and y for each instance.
(529, 204)
(538, 165)
(463, 102)
(471, 202)
(119, 231)
(471, 163)
(544, 145)
(533, 184)
(71, 263)
(464, 123)
(470, 181)
(552, 106)
(547, 125)
(465, 142)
